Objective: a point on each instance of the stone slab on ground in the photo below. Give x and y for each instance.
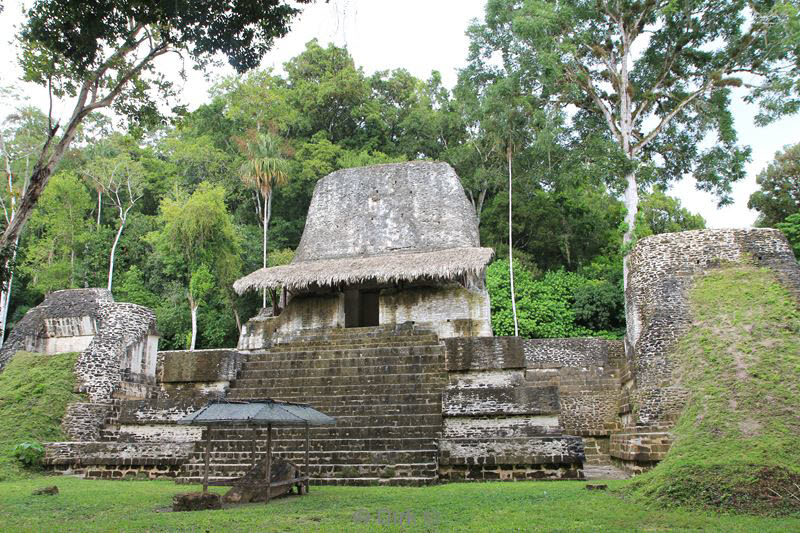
(196, 501)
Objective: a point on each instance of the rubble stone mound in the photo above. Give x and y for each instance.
(251, 487)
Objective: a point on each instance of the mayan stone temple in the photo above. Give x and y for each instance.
(384, 324)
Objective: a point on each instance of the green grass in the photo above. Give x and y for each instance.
(34, 393)
(86, 505)
(738, 440)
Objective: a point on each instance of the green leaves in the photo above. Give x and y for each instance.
(200, 284)
(791, 228)
(560, 304)
(779, 193)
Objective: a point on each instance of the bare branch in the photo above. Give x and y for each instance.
(664, 121)
(615, 130)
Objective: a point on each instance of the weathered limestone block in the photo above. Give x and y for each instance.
(501, 401)
(77, 454)
(484, 353)
(529, 450)
(214, 365)
(451, 310)
(196, 501)
(575, 353)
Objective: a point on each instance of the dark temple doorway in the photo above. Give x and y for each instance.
(361, 308)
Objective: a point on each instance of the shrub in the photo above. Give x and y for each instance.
(30, 454)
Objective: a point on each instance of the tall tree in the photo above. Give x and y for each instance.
(659, 74)
(121, 178)
(104, 57)
(197, 236)
(21, 136)
(58, 231)
(779, 188)
(263, 169)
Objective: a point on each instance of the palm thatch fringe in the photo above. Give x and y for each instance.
(388, 268)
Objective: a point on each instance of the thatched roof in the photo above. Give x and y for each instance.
(435, 265)
(387, 223)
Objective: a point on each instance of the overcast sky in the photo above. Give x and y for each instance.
(426, 35)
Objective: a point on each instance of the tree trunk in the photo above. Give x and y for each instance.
(5, 295)
(510, 248)
(193, 307)
(238, 320)
(632, 206)
(113, 251)
(267, 216)
(99, 206)
(264, 251)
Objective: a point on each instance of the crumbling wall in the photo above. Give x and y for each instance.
(308, 311)
(451, 311)
(124, 348)
(660, 271)
(518, 408)
(66, 321)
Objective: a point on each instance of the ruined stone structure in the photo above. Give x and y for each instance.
(660, 271)
(422, 394)
(382, 245)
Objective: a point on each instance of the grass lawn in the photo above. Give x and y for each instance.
(88, 505)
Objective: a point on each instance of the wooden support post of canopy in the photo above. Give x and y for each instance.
(269, 460)
(207, 458)
(307, 474)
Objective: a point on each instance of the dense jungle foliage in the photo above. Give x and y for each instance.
(142, 186)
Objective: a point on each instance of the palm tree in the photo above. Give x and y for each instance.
(263, 169)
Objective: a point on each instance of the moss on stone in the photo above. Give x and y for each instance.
(35, 390)
(737, 441)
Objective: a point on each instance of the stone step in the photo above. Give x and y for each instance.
(379, 457)
(370, 481)
(309, 394)
(248, 381)
(400, 328)
(366, 338)
(358, 421)
(291, 445)
(330, 402)
(339, 371)
(360, 481)
(371, 409)
(597, 472)
(360, 352)
(426, 357)
(315, 346)
(355, 333)
(326, 470)
(366, 432)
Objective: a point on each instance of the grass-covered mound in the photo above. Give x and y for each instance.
(34, 392)
(737, 442)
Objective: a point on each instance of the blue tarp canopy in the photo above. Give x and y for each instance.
(257, 412)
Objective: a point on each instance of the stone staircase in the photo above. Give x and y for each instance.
(382, 384)
(598, 464)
